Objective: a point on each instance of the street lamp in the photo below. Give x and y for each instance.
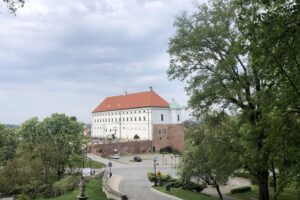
(110, 165)
(155, 159)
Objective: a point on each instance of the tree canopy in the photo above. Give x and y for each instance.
(241, 58)
(13, 5)
(44, 151)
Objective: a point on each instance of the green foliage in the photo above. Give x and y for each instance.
(240, 189)
(43, 152)
(186, 194)
(66, 184)
(13, 5)
(188, 185)
(8, 144)
(167, 149)
(242, 58)
(167, 180)
(92, 189)
(242, 174)
(136, 137)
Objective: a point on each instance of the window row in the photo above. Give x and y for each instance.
(116, 130)
(162, 131)
(119, 119)
(120, 113)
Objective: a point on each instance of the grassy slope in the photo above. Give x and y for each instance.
(288, 194)
(94, 192)
(185, 194)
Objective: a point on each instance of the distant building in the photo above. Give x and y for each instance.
(145, 114)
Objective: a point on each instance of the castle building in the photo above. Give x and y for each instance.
(145, 114)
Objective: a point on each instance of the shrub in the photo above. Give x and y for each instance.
(188, 185)
(167, 149)
(242, 174)
(175, 183)
(176, 152)
(68, 183)
(151, 176)
(241, 189)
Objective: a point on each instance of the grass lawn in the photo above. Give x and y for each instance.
(94, 192)
(288, 194)
(94, 164)
(185, 194)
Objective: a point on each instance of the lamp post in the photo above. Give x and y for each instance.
(110, 165)
(155, 159)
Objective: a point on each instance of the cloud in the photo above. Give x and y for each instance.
(66, 56)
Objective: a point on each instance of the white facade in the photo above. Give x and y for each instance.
(130, 122)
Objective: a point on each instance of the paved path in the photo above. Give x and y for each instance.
(134, 182)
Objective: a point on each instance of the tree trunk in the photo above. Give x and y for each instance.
(274, 181)
(217, 188)
(262, 179)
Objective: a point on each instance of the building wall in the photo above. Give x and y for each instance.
(108, 148)
(122, 123)
(168, 135)
(127, 123)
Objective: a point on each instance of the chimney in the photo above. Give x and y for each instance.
(151, 88)
(125, 93)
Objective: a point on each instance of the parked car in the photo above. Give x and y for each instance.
(115, 156)
(137, 159)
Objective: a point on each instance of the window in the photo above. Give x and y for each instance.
(127, 119)
(165, 131)
(178, 118)
(140, 119)
(162, 117)
(123, 119)
(134, 118)
(144, 118)
(130, 118)
(159, 131)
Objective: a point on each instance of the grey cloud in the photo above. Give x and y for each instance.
(67, 56)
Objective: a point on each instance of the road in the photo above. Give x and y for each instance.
(134, 182)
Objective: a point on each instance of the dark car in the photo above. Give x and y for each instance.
(137, 159)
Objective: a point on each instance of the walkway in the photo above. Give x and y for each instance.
(134, 182)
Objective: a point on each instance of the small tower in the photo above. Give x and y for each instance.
(175, 110)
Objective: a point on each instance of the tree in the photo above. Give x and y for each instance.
(8, 143)
(212, 150)
(136, 137)
(45, 149)
(221, 51)
(13, 5)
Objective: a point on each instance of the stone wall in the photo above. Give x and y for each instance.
(168, 135)
(133, 147)
(109, 191)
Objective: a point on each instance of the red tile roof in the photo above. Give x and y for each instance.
(135, 100)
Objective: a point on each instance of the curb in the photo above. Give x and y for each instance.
(164, 194)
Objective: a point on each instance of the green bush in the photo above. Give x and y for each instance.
(68, 183)
(167, 149)
(151, 177)
(175, 183)
(176, 152)
(188, 185)
(241, 189)
(242, 174)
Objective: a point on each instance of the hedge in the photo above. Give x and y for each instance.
(241, 189)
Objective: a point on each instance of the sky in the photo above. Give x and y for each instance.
(66, 56)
